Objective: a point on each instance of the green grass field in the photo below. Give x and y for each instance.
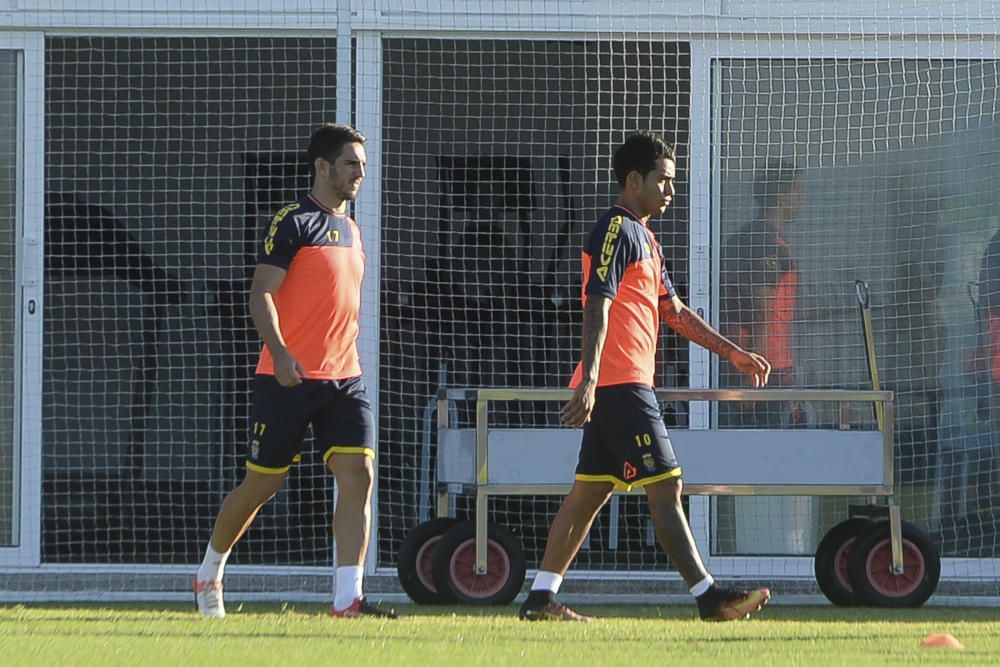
(302, 635)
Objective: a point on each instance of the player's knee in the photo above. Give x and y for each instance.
(675, 484)
(589, 495)
(666, 490)
(258, 489)
(352, 471)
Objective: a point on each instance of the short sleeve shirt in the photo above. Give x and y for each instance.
(759, 289)
(320, 298)
(989, 275)
(623, 261)
(755, 261)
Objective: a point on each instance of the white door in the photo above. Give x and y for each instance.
(21, 188)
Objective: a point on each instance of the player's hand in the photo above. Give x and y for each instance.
(754, 366)
(287, 369)
(576, 413)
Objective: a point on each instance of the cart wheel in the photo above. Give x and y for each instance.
(454, 566)
(869, 567)
(831, 561)
(415, 557)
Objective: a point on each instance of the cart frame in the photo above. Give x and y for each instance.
(480, 481)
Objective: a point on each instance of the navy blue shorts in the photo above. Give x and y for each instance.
(338, 410)
(625, 441)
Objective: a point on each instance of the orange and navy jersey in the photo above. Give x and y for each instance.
(319, 300)
(759, 289)
(989, 305)
(623, 261)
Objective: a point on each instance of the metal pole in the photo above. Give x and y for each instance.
(482, 479)
(864, 307)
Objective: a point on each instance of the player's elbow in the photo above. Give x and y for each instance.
(668, 312)
(259, 303)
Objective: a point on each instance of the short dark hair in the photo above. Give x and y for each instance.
(775, 181)
(329, 140)
(640, 153)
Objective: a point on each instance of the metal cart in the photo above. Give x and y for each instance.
(873, 557)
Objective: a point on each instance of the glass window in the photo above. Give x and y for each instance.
(501, 155)
(884, 171)
(8, 238)
(152, 223)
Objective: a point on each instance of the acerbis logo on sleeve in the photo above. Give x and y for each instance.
(608, 247)
(273, 230)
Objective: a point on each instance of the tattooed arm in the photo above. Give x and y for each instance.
(576, 413)
(687, 323)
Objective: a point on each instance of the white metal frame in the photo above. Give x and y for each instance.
(703, 201)
(368, 113)
(714, 30)
(28, 287)
(705, 69)
(484, 485)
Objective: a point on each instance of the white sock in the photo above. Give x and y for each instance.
(702, 586)
(213, 565)
(547, 581)
(349, 578)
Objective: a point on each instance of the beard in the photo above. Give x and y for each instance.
(347, 193)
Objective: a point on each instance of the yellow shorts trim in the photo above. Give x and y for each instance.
(622, 485)
(354, 449)
(618, 484)
(273, 471)
(267, 471)
(676, 472)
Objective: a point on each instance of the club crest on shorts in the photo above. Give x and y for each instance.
(649, 462)
(254, 448)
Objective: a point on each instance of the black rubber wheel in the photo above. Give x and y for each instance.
(869, 567)
(416, 558)
(831, 561)
(454, 566)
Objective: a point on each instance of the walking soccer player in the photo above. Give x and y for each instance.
(625, 444)
(304, 301)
